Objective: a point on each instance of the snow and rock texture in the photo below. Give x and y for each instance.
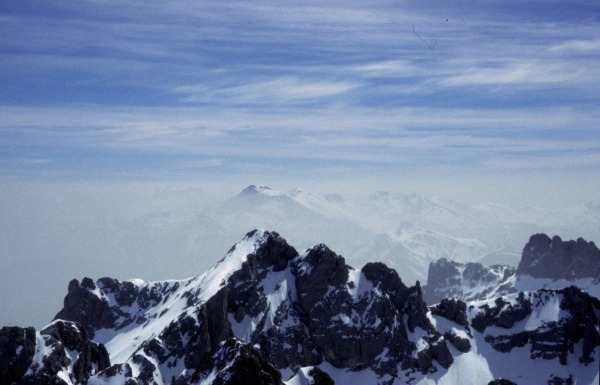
(547, 332)
(540, 337)
(60, 354)
(267, 314)
(290, 309)
(545, 263)
(467, 281)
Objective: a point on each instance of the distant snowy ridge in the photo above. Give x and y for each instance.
(268, 314)
(133, 237)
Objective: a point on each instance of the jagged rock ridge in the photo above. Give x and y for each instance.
(268, 313)
(545, 263)
(296, 309)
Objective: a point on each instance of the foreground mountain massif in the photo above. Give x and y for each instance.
(268, 314)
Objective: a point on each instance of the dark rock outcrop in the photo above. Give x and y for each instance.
(453, 310)
(503, 314)
(233, 363)
(501, 381)
(75, 338)
(85, 308)
(319, 377)
(545, 257)
(66, 349)
(17, 347)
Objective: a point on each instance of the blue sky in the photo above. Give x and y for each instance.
(252, 90)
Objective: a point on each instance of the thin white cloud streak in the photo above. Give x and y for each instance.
(578, 46)
(532, 73)
(270, 91)
(211, 122)
(544, 163)
(389, 69)
(465, 142)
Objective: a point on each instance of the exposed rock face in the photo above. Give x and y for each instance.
(233, 362)
(545, 257)
(27, 357)
(453, 310)
(467, 281)
(542, 258)
(503, 314)
(319, 377)
(83, 307)
(75, 338)
(17, 347)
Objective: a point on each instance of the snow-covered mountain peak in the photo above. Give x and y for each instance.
(254, 190)
(216, 277)
(240, 251)
(294, 308)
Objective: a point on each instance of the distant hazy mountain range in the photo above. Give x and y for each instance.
(405, 231)
(178, 232)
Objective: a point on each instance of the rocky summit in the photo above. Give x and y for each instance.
(269, 314)
(545, 257)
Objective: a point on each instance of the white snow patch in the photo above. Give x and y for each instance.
(214, 278)
(64, 375)
(243, 330)
(41, 351)
(357, 284)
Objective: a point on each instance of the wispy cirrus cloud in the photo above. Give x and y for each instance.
(198, 81)
(578, 46)
(281, 90)
(533, 73)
